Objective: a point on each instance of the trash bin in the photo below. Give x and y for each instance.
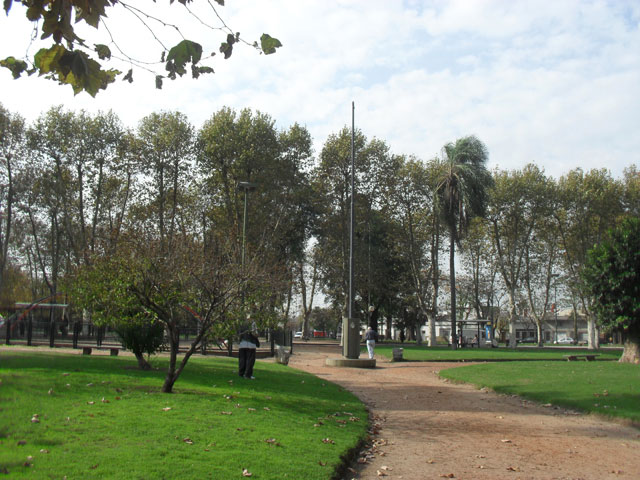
(397, 354)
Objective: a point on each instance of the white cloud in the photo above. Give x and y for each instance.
(557, 83)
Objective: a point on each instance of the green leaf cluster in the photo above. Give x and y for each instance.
(612, 276)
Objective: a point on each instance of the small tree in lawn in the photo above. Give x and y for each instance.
(103, 289)
(612, 277)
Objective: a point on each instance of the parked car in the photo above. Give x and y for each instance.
(297, 335)
(565, 340)
(528, 340)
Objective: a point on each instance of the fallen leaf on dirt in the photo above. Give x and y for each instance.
(362, 460)
(480, 456)
(384, 467)
(327, 440)
(381, 473)
(505, 440)
(246, 473)
(513, 469)
(352, 470)
(448, 475)
(617, 472)
(188, 441)
(431, 461)
(481, 467)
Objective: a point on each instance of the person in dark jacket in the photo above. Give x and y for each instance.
(247, 352)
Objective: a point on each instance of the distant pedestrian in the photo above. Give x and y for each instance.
(247, 352)
(371, 336)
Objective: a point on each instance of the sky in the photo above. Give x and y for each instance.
(555, 83)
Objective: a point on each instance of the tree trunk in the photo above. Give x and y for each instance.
(512, 320)
(431, 325)
(452, 277)
(142, 362)
(591, 332)
(174, 345)
(631, 352)
(539, 333)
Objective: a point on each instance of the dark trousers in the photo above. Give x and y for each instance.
(246, 361)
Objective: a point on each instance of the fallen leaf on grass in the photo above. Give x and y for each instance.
(117, 398)
(35, 419)
(188, 441)
(89, 384)
(29, 458)
(268, 397)
(65, 374)
(251, 409)
(50, 392)
(93, 467)
(362, 460)
(321, 463)
(267, 409)
(225, 413)
(246, 473)
(327, 440)
(104, 400)
(272, 441)
(90, 403)
(22, 442)
(44, 450)
(26, 464)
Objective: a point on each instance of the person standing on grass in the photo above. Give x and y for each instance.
(247, 352)
(371, 336)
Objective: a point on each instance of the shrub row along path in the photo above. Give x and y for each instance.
(427, 428)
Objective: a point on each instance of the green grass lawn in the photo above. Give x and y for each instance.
(607, 388)
(439, 354)
(99, 417)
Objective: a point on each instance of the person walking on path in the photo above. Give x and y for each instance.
(371, 336)
(247, 352)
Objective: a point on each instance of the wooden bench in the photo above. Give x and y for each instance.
(112, 351)
(581, 356)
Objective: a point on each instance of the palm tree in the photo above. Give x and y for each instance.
(461, 194)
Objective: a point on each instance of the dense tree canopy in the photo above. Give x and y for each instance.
(612, 277)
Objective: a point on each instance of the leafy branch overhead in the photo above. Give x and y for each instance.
(74, 61)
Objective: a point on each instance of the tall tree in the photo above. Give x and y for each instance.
(12, 143)
(612, 277)
(588, 205)
(518, 202)
(461, 194)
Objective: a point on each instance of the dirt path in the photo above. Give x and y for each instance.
(428, 428)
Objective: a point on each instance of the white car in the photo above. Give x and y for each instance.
(297, 335)
(565, 340)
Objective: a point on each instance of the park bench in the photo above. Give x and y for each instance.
(581, 356)
(112, 351)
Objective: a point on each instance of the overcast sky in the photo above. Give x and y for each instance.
(556, 83)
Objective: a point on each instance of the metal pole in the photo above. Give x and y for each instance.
(351, 325)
